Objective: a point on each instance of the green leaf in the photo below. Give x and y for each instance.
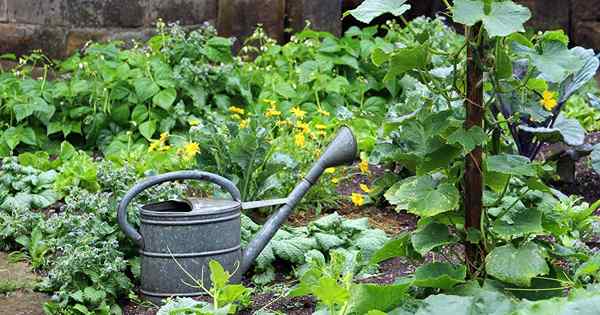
(510, 164)
(285, 89)
(328, 241)
(439, 275)
(367, 297)
(468, 139)
(518, 223)
(423, 196)
(406, 59)
(15, 135)
(218, 276)
(369, 241)
(370, 9)
(165, 98)
(379, 57)
(329, 292)
(589, 268)
(557, 35)
(504, 18)
(538, 85)
(555, 61)
(431, 236)
(337, 85)
(399, 247)
(565, 129)
(442, 304)
(145, 88)
(516, 265)
(147, 129)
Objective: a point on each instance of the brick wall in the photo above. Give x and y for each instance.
(60, 27)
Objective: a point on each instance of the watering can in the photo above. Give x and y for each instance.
(177, 238)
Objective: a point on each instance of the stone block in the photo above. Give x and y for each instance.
(587, 34)
(3, 11)
(187, 12)
(24, 38)
(239, 18)
(77, 38)
(323, 15)
(548, 14)
(585, 10)
(47, 12)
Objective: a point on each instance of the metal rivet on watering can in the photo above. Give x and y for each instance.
(178, 238)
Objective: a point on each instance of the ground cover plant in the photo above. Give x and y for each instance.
(460, 127)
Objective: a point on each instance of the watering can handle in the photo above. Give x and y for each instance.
(130, 231)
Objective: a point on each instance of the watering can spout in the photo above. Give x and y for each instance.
(342, 150)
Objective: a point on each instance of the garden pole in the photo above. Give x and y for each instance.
(473, 177)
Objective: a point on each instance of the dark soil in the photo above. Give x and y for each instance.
(587, 182)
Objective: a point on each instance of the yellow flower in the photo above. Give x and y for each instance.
(548, 100)
(165, 148)
(298, 112)
(272, 112)
(323, 112)
(364, 166)
(335, 180)
(280, 123)
(320, 126)
(330, 170)
(304, 126)
(299, 140)
(190, 150)
(244, 123)
(154, 146)
(194, 122)
(365, 188)
(358, 199)
(164, 137)
(236, 110)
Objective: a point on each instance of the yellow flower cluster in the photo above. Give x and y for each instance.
(189, 150)
(357, 199)
(364, 166)
(298, 112)
(237, 113)
(323, 112)
(299, 140)
(272, 110)
(549, 100)
(160, 144)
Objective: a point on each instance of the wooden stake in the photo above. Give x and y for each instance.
(473, 177)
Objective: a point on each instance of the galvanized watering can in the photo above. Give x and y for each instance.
(178, 238)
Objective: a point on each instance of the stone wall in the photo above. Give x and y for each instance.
(60, 27)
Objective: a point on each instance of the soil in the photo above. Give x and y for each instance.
(587, 182)
(16, 289)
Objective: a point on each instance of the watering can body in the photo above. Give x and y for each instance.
(178, 238)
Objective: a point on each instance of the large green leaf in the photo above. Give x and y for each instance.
(565, 129)
(468, 139)
(406, 59)
(504, 18)
(518, 223)
(442, 304)
(145, 88)
(165, 98)
(510, 164)
(424, 196)
(430, 237)
(555, 62)
(398, 247)
(439, 275)
(148, 128)
(366, 297)
(583, 75)
(370, 9)
(516, 265)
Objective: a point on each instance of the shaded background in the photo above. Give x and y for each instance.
(60, 27)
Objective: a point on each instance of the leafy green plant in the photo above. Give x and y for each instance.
(353, 237)
(226, 297)
(587, 113)
(35, 249)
